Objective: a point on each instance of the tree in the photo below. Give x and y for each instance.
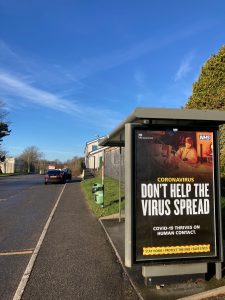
(4, 129)
(75, 164)
(31, 157)
(209, 92)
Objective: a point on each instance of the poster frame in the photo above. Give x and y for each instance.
(217, 212)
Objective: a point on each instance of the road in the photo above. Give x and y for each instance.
(75, 260)
(25, 204)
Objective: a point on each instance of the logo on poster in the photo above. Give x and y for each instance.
(141, 137)
(204, 137)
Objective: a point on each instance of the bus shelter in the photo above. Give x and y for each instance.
(172, 190)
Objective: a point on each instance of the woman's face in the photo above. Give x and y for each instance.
(188, 145)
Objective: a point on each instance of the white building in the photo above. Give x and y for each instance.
(8, 165)
(11, 165)
(94, 154)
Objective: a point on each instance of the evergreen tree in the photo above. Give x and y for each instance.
(209, 89)
(209, 92)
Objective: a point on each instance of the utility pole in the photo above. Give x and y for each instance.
(28, 164)
(98, 154)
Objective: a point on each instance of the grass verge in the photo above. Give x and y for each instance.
(6, 175)
(111, 196)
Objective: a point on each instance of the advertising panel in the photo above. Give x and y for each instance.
(174, 195)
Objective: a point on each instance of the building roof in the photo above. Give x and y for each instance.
(163, 116)
(95, 140)
(97, 151)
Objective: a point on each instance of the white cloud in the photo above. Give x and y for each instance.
(19, 88)
(5, 50)
(185, 67)
(11, 86)
(111, 60)
(91, 65)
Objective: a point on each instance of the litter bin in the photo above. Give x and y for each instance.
(99, 197)
(97, 187)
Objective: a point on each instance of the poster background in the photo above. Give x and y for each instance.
(154, 151)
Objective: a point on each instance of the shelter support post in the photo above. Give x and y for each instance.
(218, 271)
(128, 194)
(218, 265)
(120, 185)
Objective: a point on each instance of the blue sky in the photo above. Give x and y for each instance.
(72, 70)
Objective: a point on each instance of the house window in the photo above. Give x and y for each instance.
(94, 147)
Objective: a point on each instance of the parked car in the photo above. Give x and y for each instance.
(67, 173)
(54, 176)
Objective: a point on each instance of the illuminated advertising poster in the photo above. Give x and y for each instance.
(174, 195)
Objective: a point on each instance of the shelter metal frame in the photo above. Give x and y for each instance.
(121, 137)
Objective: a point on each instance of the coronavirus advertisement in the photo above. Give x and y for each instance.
(174, 195)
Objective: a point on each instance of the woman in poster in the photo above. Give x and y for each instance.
(187, 153)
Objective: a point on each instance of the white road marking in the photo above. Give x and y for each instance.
(26, 275)
(19, 252)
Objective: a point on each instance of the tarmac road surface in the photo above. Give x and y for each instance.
(25, 204)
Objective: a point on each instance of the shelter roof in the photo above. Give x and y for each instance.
(163, 116)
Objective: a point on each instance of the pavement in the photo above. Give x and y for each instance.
(75, 251)
(75, 259)
(185, 288)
